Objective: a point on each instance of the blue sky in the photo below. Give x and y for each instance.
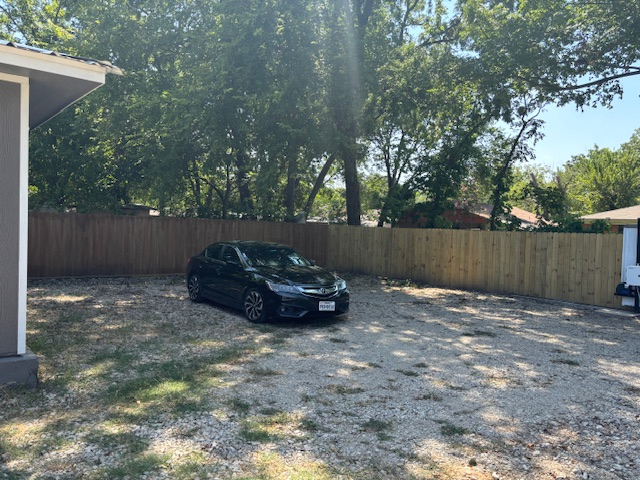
(570, 132)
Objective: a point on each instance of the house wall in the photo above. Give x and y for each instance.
(10, 95)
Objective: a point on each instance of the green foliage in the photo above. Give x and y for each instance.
(374, 191)
(330, 205)
(41, 23)
(605, 179)
(567, 51)
(236, 109)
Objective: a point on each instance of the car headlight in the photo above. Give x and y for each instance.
(282, 288)
(342, 285)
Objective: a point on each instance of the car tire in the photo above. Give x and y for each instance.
(254, 306)
(195, 288)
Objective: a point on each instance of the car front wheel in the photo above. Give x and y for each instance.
(195, 290)
(254, 307)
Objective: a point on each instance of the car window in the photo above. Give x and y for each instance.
(230, 255)
(273, 256)
(213, 251)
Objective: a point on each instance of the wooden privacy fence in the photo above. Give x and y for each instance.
(62, 245)
(583, 268)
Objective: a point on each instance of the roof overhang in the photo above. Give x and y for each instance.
(56, 80)
(612, 221)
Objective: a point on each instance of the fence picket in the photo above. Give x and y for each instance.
(573, 267)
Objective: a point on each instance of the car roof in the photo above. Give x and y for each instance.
(254, 243)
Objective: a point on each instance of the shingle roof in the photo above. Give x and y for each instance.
(484, 210)
(90, 61)
(620, 216)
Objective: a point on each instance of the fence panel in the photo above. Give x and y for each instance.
(582, 268)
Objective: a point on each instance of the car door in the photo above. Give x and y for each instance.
(208, 268)
(231, 277)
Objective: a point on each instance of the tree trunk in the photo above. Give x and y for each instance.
(352, 186)
(290, 191)
(319, 183)
(246, 202)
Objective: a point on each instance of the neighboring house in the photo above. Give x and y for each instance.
(618, 218)
(461, 218)
(138, 210)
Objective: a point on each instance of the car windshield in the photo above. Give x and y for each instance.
(273, 256)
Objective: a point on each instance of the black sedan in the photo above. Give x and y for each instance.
(265, 279)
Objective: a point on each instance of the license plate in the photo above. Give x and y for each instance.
(327, 306)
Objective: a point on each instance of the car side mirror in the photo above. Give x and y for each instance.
(312, 262)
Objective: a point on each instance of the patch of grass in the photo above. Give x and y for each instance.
(12, 474)
(279, 338)
(449, 429)
(262, 327)
(191, 467)
(309, 425)
(338, 340)
(479, 333)
(143, 465)
(272, 466)
(70, 316)
(430, 396)
(124, 440)
(251, 433)
(9, 450)
(408, 373)
(231, 355)
(373, 425)
(267, 428)
(343, 390)
(421, 365)
(118, 358)
(175, 384)
(264, 372)
(407, 283)
(269, 411)
(183, 406)
(41, 344)
(456, 388)
(566, 361)
(239, 405)
(379, 427)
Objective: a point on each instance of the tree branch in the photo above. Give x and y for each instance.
(595, 83)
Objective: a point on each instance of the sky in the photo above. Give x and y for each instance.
(570, 132)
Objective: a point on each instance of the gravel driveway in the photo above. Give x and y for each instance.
(415, 382)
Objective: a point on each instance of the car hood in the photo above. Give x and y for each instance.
(298, 275)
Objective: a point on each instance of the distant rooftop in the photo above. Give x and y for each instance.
(620, 216)
(89, 61)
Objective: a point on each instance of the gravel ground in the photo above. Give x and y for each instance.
(415, 382)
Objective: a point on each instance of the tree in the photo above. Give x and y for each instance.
(565, 50)
(41, 23)
(604, 179)
(510, 150)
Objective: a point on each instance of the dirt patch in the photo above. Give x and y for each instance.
(415, 382)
